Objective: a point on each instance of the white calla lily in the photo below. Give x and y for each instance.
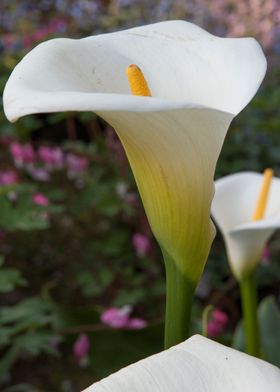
(199, 82)
(196, 365)
(233, 207)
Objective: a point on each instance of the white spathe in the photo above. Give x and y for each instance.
(199, 82)
(196, 365)
(233, 206)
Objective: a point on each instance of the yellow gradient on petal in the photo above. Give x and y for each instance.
(137, 81)
(263, 195)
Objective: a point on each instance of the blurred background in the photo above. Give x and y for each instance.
(81, 277)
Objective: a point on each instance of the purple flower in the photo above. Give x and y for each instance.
(75, 165)
(217, 324)
(39, 174)
(81, 347)
(141, 244)
(116, 317)
(136, 323)
(220, 317)
(8, 177)
(22, 153)
(51, 157)
(120, 318)
(40, 199)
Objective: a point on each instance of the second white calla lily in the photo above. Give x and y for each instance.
(233, 206)
(199, 82)
(196, 365)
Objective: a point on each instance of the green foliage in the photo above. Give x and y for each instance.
(23, 329)
(21, 214)
(10, 278)
(269, 319)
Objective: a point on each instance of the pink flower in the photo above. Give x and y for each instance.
(136, 323)
(39, 174)
(52, 157)
(220, 317)
(75, 165)
(16, 151)
(22, 153)
(116, 317)
(40, 199)
(214, 329)
(8, 177)
(217, 324)
(141, 244)
(81, 347)
(40, 34)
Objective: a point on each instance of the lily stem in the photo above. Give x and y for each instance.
(179, 299)
(248, 293)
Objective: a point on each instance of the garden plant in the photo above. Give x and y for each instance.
(95, 278)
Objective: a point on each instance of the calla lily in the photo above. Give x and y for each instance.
(198, 83)
(232, 209)
(196, 365)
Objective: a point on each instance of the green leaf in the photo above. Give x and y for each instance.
(32, 310)
(9, 279)
(22, 216)
(269, 320)
(7, 360)
(36, 342)
(269, 317)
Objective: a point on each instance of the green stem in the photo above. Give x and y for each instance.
(205, 317)
(179, 298)
(248, 292)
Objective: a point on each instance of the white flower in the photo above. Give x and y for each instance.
(199, 82)
(233, 206)
(196, 365)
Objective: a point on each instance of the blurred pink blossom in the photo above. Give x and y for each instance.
(136, 323)
(39, 174)
(116, 317)
(40, 199)
(22, 153)
(265, 258)
(75, 165)
(51, 157)
(120, 318)
(141, 244)
(220, 316)
(81, 347)
(217, 323)
(8, 177)
(40, 34)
